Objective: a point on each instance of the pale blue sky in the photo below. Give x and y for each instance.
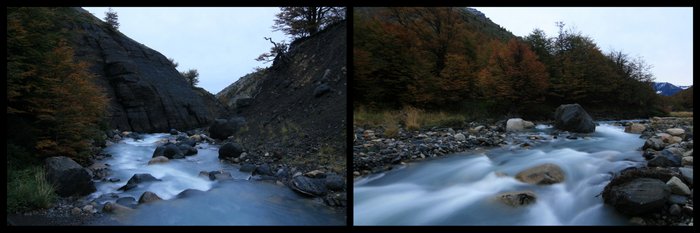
(662, 36)
(221, 43)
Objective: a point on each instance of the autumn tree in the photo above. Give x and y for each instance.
(192, 76)
(514, 76)
(305, 21)
(53, 105)
(112, 18)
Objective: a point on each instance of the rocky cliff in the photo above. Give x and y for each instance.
(146, 93)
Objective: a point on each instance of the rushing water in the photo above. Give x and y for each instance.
(460, 189)
(242, 201)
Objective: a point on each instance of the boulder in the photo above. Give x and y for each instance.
(687, 174)
(264, 170)
(309, 186)
(655, 143)
(515, 124)
(667, 158)
(638, 196)
(676, 132)
(137, 179)
(223, 128)
(159, 159)
(677, 186)
(230, 150)
(186, 141)
(172, 151)
(174, 132)
(528, 125)
(573, 118)
(187, 149)
(68, 177)
(543, 174)
(635, 128)
(517, 199)
(99, 170)
(460, 137)
(148, 197)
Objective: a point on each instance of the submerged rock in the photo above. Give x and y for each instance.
(159, 159)
(137, 179)
(543, 174)
(148, 197)
(517, 199)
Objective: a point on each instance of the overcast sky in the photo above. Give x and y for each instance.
(221, 43)
(662, 36)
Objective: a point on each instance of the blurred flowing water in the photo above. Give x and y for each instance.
(241, 201)
(461, 189)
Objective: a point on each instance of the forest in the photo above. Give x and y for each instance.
(453, 60)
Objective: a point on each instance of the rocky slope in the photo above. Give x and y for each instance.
(291, 117)
(146, 93)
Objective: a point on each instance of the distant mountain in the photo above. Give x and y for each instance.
(667, 89)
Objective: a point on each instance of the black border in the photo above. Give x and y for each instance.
(350, 71)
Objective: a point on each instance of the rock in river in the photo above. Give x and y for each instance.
(573, 118)
(543, 174)
(309, 186)
(137, 179)
(516, 199)
(148, 197)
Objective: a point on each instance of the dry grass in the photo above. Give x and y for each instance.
(391, 125)
(681, 114)
(413, 116)
(410, 117)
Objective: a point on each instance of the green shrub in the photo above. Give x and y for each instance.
(28, 189)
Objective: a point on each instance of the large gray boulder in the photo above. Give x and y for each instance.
(638, 196)
(68, 177)
(543, 174)
(169, 150)
(518, 124)
(223, 128)
(148, 197)
(573, 118)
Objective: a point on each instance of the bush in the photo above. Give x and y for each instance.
(391, 125)
(28, 189)
(412, 118)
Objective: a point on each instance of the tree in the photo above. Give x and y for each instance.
(173, 62)
(514, 76)
(275, 50)
(191, 76)
(305, 21)
(53, 105)
(111, 18)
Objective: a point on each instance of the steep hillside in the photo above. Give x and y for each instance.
(146, 93)
(296, 109)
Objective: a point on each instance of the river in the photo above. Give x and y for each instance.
(460, 189)
(241, 201)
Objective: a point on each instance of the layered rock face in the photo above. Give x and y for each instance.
(146, 93)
